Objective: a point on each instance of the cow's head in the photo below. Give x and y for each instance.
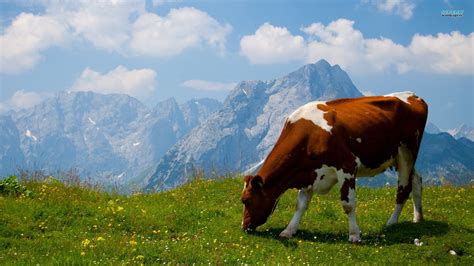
(258, 203)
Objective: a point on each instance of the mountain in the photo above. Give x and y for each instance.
(196, 111)
(463, 130)
(11, 156)
(443, 159)
(113, 139)
(245, 129)
(78, 130)
(432, 128)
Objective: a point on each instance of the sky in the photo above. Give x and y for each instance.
(153, 50)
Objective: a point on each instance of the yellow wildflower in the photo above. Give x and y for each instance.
(132, 242)
(100, 238)
(85, 243)
(119, 208)
(139, 257)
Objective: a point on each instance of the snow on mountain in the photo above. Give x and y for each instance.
(463, 131)
(11, 156)
(109, 138)
(245, 129)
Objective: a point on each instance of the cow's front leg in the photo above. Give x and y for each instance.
(348, 201)
(304, 197)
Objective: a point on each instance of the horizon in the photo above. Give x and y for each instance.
(203, 49)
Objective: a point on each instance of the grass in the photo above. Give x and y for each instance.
(200, 223)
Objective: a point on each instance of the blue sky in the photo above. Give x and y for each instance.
(154, 50)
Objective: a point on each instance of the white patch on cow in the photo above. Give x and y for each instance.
(354, 231)
(30, 135)
(403, 96)
(396, 213)
(404, 164)
(349, 206)
(325, 180)
(91, 121)
(359, 140)
(357, 161)
(304, 197)
(416, 192)
(311, 112)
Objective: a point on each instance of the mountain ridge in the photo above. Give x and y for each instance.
(249, 123)
(111, 138)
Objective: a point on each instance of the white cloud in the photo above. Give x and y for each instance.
(139, 83)
(22, 99)
(205, 85)
(272, 44)
(23, 41)
(181, 29)
(402, 8)
(105, 24)
(124, 27)
(444, 53)
(339, 43)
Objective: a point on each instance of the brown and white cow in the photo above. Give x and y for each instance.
(324, 143)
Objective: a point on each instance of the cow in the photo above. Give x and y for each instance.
(324, 143)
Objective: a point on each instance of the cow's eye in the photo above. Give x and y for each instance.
(246, 201)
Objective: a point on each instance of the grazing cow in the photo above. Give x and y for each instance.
(324, 143)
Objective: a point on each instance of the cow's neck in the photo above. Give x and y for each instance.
(276, 184)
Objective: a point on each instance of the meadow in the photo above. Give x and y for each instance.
(48, 222)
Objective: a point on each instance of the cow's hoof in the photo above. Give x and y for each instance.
(418, 218)
(355, 239)
(390, 222)
(286, 234)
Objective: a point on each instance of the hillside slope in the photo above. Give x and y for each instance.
(200, 223)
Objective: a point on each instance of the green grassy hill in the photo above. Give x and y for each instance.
(48, 222)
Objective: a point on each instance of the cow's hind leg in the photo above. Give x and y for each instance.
(348, 201)
(304, 197)
(417, 191)
(405, 168)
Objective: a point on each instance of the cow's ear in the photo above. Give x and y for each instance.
(257, 182)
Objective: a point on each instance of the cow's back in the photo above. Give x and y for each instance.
(373, 128)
